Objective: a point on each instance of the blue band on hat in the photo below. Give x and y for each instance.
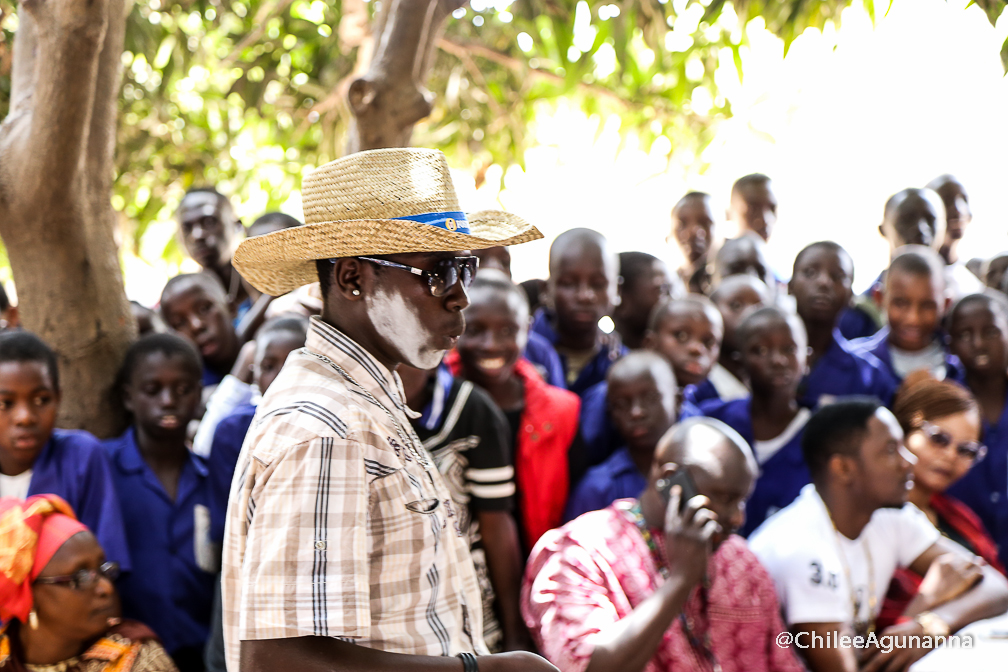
(455, 222)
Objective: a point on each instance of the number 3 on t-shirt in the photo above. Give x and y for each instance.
(819, 577)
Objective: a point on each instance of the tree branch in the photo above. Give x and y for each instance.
(465, 50)
(390, 98)
(261, 20)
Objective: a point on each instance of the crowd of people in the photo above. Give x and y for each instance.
(356, 443)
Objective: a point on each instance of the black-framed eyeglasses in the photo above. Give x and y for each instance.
(445, 275)
(971, 450)
(83, 579)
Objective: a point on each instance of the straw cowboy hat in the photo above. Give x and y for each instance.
(382, 201)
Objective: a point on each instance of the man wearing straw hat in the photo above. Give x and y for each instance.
(343, 549)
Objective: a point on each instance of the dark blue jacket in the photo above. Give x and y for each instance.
(844, 370)
(878, 345)
(782, 476)
(594, 372)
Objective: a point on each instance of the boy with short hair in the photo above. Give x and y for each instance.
(745, 255)
(644, 282)
(734, 297)
(642, 402)
(773, 346)
(753, 205)
(547, 454)
(687, 332)
(821, 286)
(210, 230)
(165, 497)
(914, 303)
(693, 231)
(195, 305)
(36, 458)
(911, 217)
(581, 290)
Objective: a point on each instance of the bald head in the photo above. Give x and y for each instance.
(644, 363)
(914, 217)
(579, 243)
(745, 255)
(707, 444)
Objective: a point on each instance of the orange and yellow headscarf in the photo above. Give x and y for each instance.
(30, 534)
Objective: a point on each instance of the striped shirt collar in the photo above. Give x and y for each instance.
(326, 340)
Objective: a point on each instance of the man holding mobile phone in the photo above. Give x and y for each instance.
(661, 583)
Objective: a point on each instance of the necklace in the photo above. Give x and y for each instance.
(700, 644)
(867, 626)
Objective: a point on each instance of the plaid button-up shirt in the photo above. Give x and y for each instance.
(339, 523)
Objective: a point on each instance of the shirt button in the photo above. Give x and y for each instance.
(319, 545)
(529, 428)
(547, 426)
(535, 436)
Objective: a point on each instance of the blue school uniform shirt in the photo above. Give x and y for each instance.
(224, 450)
(616, 478)
(984, 488)
(782, 475)
(544, 357)
(597, 430)
(73, 465)
(878, 345)
(172, 584)
(594, 372)
(844, 370)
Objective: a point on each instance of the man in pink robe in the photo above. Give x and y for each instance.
(643, 586)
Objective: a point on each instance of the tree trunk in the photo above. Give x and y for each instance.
(390, 98)
(56, 219)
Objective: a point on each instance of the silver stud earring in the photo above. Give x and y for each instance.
(356, 292)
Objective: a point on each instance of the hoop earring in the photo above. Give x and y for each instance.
(356, 292)
(33, 620)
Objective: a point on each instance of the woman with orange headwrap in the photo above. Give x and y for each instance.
(57, 600)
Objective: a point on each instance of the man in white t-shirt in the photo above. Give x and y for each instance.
(833, 551)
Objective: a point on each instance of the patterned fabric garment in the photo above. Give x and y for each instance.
(129, 647)
(339, 524)
(598, 568)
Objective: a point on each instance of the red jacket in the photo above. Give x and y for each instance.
(549, 423)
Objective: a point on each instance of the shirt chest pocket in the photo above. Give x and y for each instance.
(404, 512)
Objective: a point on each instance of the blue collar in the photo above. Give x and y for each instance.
(433, 412)
(131, 462)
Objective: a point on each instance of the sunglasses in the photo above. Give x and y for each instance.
(971, 450)
(445, 275)
(83, 579)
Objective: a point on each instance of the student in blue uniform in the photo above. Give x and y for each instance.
(821, 287)
(687, 332)
(915, 304)
(165, 497)
(642, 395)
(978, 331)
(195, 305)
(734, 297)
(773, 347)
(37, 459)
(580, 291)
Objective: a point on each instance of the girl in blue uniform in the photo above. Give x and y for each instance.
(773, 347)
(37, 459)
(165, 496)
(978, 329)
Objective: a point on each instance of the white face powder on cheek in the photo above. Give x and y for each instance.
(397, 322)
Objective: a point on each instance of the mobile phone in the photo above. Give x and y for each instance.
(683, 479)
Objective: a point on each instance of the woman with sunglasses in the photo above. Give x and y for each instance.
(58, 603)
(941, 425)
